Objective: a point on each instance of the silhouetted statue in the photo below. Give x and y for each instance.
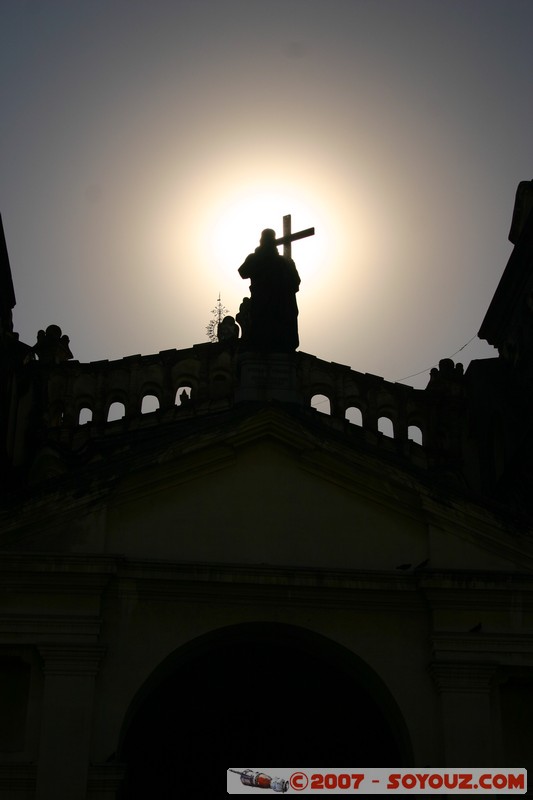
(274, 282)
(244, 319)
(447, 378)
(52, 346)
(227, 330)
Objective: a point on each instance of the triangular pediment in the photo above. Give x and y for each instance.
(269, 486)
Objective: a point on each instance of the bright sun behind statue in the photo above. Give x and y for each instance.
(237, 224)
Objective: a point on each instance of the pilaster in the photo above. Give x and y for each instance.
(465, 691)
(69, 672)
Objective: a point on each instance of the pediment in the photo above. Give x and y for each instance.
(268, 487)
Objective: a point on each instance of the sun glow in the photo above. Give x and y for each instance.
(204, 230)
(236, 224)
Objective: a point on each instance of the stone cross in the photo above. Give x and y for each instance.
(289, 237)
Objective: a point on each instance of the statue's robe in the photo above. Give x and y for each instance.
(274, 282)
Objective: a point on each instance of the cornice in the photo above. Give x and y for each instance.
(489, 646)
(71, 659)
(73, 574)
(238, 584)
(463, 678)
(43, 626)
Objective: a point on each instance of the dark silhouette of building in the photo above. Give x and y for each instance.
(237, 574)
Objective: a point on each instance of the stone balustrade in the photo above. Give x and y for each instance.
(78, 398)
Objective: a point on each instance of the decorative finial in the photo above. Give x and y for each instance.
(219, 312)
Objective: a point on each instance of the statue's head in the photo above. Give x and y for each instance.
(268, 236)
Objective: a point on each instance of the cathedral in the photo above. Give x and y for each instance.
(220, 573)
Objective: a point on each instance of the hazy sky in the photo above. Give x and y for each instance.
(146, 143)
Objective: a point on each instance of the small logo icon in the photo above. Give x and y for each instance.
(261, 781)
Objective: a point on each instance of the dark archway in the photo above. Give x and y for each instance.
(256, 694)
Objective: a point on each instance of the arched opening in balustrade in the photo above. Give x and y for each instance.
(183, 395)
(321, 403)
(414, 434)
(150, 403)
(220, 385)
(354, 415)
(116, 411)
(386, 427)
(85, 415)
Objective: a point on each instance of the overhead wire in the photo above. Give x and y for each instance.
(414, 375)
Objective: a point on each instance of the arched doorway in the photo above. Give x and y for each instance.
(256, 694)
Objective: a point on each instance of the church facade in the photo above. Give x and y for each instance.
(237, 574)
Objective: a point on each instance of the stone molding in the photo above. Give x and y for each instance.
(463, 678)
(17, 777)
(493, 645)
(104, 778)
(49, 626)
(73, 660)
